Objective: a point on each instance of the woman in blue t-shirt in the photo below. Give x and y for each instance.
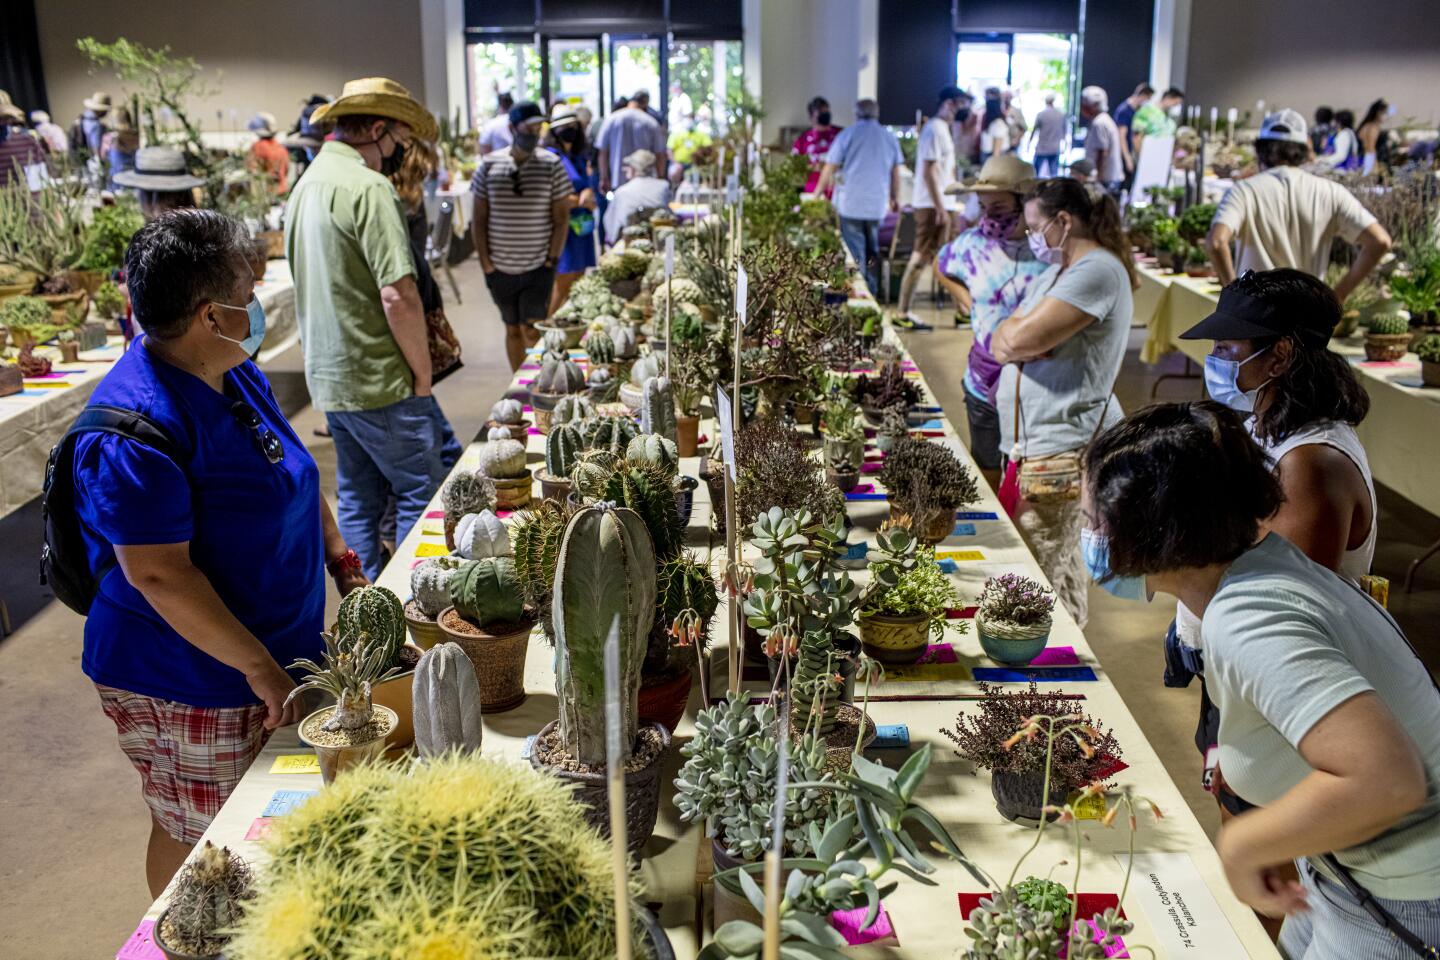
(211, 566)
(579, 253)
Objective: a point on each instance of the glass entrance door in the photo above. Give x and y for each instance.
(635, 65)
(574, 72)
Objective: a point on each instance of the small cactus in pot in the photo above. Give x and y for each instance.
(373, 612)
(489, 621)
(466, 492)
(446, 703)
(508, 413)
(558, 377)
(429, 595)
(573, 408)
(601, 385)
(562, 446)
(655, 450)
(626, 347)
(206, 902)
(481, 535)
(554, 341)
(537, 538)
(600, 348)
(609, 433)
(354, 729)
(1387, 333)
(503, 461)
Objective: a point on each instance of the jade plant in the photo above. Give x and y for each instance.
(347, 671)
(657, 408)
(430, 584)
(206, 902)
(604, 583)
(481, 535)
(486, 592)
(445, 702)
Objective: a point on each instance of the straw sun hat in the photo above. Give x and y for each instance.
(1002, 173)
(380, 97)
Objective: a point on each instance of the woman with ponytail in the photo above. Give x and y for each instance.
(1061, 352)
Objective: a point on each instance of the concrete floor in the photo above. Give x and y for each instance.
(74, 825)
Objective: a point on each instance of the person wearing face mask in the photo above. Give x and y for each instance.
(1061, 351)
(361, 315)
(994, 129)
(815, 142)
(211, 557)
(1329, 732)
(988, 269)
(1156, 120)
(567, 134)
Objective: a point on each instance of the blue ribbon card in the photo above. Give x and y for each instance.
(286, 800)
(891, 736)
(1026, 674)
(971, 515)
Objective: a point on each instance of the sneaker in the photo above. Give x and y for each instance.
(962, 319)
(908, 321)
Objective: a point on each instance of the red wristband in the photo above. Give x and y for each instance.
(348, 560)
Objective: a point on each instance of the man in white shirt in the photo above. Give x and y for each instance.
(641, 191)
(935, 159)
(1286, 217)
(1102, 142)
(495, 132)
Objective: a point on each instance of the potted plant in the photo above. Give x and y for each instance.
(1197, 261)
(1167, 244)
(632, 392)
(604, 593)
(692, 379)
(623, 270)
(888, 388)
(575, 408)
(685, 605)
(683, 291)
(109, 301)
(657, 408)
(352, 731)
(1387, 332)
(1417, 284)
(843, 473)
(844, 437)
(536, 536)
(503, 461)
(377, 612)
(899, 622)
(105, 240)
(12, 381)
(927, 483)
(663, 457)
(488, 619)
(465, 492)
(429, 596)
(559, 376)
(589, 298)
(1194, 223)
(1023, 769)
(893, 428)
(29, 321)
(69, 346)
(562, 445)
(207, 900)
(775, 470)
(446, 703)
(1429, 352)
(509, 415)
(1013, 616)
(40, 233)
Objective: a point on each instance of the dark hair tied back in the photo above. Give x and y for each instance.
(1100, 215)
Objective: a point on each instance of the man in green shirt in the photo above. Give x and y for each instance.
(362, 326)
(1157, 121)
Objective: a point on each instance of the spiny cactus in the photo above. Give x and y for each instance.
(609, 433)
(572, 408)
(1390, 323)
(507, 411)
(467, 492)
(655, 450)
(554, 342)
(559, 377)
(624, 340)
(647, 492)
(657, 410)
(502, 459)
(481, 535)
(600, 348)
(445, 702)
(685, 604)
(604, 582)
(207, 901)
(486, 591)
(375, 612)
(347, 673)
(643, 369)
(602, 385)
(681, 289)
(537, 546)
(561, 448)
(591, 472)
(430, 584)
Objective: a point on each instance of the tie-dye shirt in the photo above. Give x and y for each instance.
(998, 274)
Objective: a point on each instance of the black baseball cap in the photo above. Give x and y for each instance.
(528, 110)
(952, 92)
(1239, 316)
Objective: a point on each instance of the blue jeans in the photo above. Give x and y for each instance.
(405, 450)
(862, 238)
(1047, 165)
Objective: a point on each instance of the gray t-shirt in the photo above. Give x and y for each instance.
(1063, 397)
(1286, 642)
(1104, 137)
(1049, 131)
(624, 132)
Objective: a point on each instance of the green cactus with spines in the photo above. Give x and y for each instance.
(536, 537)
(572, 408)
(685, 598)
(487, 591)
(206, 902)
(657, 409)
(1389, 323)
(467, 492)
(604, 583)
(647, 492)
(558, 377)
(609, 433)
(376, 612)
(562, 445)
(686, 326)
(591, 473)
(653, 449)
(600, 348)
(430, 584)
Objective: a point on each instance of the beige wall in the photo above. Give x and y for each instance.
(271, 53)
(805, 48)
(1304, 53)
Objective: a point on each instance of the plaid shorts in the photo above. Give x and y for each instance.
(189, 758)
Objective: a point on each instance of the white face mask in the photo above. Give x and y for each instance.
(1042, 249)
(1220, 382)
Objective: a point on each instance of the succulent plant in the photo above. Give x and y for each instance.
(507, 411)
(502, 459)
(655, 450)
(467, 492)
(643, 369)
(562, 445)
(646, 491)
(430, 584)
(537, 537)
(486, 591)
(602, 385)
(624, 340)
(686, 325)
(572, 408)
(591, 472)
(481, 535)
(681, 289)
(922, 476)
(657, 409)
(373, 612)
(28, 319)
(627, 264)
(1389, 323)
(554, 342)
(346, 672)
(559, 377)
(207, 900)
(600, 348)
(445, 702)
(609, 433)
(501, 433)
(1428, 350)
(685, 605)
(604, 587)
(109, 301)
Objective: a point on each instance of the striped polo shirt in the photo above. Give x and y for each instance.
(519, 197)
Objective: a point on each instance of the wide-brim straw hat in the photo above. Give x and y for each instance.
(99, 101)
(11, 113)
(158, 168)
(380, 97)
(1002, 173)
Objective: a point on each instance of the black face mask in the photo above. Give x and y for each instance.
(823, 118)
(962, 114)
(526, 141)
(389, 166)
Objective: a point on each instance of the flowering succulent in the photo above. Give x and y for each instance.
(1012, 598)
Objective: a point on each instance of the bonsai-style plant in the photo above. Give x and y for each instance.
(1013, 616)
(446, 703)
(488, 619)
(1387, 332)
(927, 483)
(446, 858)
(30, 365)
(503, 462)
(899, 622)
(354, 729)
(207, 901)
(1197, 261)
(41, 233)
(888, 388)
(465, 492)
(1029, 773)
(108, 234)
(1429, 352)
(109, 301)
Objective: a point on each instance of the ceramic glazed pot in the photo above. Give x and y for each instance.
(498, 657)
(1012, 644)
(335, 760)
(170, 952)
(1386, 346)
(1017, 795)
(685, 498)
(844, 482)
(544, 406)
(664, 702)
(62, 304)
(687, 435)
(895, 639)
(395, 694)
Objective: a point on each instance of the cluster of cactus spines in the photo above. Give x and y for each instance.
(572, 408)
(559, 376)
(657, 409)
(374, 612)
(487, 591)
(591, 472)
(554, 342)
(502, 459)
(346, 672)
(815, 685)
(430, 584)
(609, 433)
(604, 582)
(562, 445)
(467, 492)
(1389, 323)
(536, 539)
(445, 702)
(685, 604)
(624, 340)
(647, 492)
(507, 411)
(643, 369)
(600, 348)
(655, 450)
(207, 901)
(481, 535)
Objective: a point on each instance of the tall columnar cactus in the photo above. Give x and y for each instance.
(657, 410)
(537, 546)
(624, 340)
(656, 451)
(507, 411)
(502, 459)
(609, 433)
(572, 408)
(554, 342)
(600, 348)
(467, 492)
(376, 612)
(481, 535)
(561, 447)
(430, 584)
(643, 369)
(487, 591)
(445, 701)
(646, 491)
(207, 901)
(559, 377)
(604, 580)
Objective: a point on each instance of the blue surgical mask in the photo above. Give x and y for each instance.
(1221, 378)
(1096, 549)
(256, 312)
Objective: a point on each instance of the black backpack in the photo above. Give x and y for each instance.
(64, 561)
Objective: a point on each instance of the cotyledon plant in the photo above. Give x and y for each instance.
(657, 408)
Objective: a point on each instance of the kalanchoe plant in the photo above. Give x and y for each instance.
(1013, 598)
(207, 900)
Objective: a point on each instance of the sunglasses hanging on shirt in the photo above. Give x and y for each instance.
(265, 439)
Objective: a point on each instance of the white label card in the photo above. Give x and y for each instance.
(742, 295)
(732, 190)
(670, 254)
(1186, 919)
(726, 422)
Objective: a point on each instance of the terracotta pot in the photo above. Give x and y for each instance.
(664, 702)
(518, 431)
(1386, 346)
(170, 952)
(87, 280)
(1011, 644)
(544, 406)
(498, 657)
(24, 283)
(553, 488)
(513, 493)
(63, 305)
(935, 527)
(1017, 795)
(69, 351)
(424, 632)
(687, 435)
(642, 792)
(685, 498)
(336, 760)
(895, 639)
(395, 694)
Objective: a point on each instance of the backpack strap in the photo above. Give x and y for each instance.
(104, 418)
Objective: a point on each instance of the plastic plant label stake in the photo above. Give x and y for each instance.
(724, 418)
(669, 300)
(777, 840)
(615, 757)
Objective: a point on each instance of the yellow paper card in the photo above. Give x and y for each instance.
(959, 555)
(431, 550)
(296, 763)
(432, 530)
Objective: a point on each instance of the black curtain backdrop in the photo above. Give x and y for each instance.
(22, 75)
(1118, 35)
(916, 58)
(1009, 16)
(697, 19)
